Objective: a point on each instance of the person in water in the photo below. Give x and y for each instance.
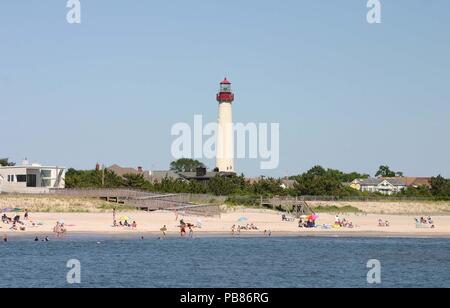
(36, 239)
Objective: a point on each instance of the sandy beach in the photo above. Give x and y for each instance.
(152, 222)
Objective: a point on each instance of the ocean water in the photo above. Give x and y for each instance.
(226, 262)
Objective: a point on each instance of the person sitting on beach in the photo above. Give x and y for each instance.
(134, 225)
(13, 227)
(337, 220)
(430, 220)
(381, 223)
(5, 219)
(126, 223)
(387, 223)
(115, 223)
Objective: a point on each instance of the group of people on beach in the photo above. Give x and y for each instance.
(342, 223)
(184, 226)
(59, 229)
(126, 224)
(423, 222)
(383, 223)
(15, 222)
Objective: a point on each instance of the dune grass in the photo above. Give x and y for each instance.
(60, 204)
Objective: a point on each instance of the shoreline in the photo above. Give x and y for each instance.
(199, 235)
(150, 223)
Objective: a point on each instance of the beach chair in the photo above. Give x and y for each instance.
(421, 226)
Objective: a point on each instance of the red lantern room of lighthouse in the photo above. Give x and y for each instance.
(225, 95)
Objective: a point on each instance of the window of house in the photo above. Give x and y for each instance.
(45, 183)
(22, 178)
(46, 173)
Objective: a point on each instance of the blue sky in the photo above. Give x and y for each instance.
(347, 95)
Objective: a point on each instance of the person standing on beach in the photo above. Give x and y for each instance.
(26, 215)
(163, 230)
(191, 232)
(114, 217)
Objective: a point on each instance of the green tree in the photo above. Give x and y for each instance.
(440, 187)
(186, 165)
(386, 172)
(92, 179)
(224, 186)
(318, 181)
(4, 162)
(136, 181)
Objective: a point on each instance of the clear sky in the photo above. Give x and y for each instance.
(347, 94)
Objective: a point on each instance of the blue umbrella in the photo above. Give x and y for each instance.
(242, 219)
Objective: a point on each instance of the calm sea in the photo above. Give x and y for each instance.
(226, 262)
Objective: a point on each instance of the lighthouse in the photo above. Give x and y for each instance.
(225, 132)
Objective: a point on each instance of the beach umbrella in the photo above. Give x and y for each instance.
(7, 210)
(123, 218)
(17, 210)
(242, 219)
(61, 221)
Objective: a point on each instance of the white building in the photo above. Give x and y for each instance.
(385, 186)
(31, 178)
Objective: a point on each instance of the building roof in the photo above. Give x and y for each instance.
(398, 181)
(370, 182)
(158, 176)
(31, 166)
(122, 171)
(194, 176)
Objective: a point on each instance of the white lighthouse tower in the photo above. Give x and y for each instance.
(225, 134)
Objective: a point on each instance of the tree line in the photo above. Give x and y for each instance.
(317, 181)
